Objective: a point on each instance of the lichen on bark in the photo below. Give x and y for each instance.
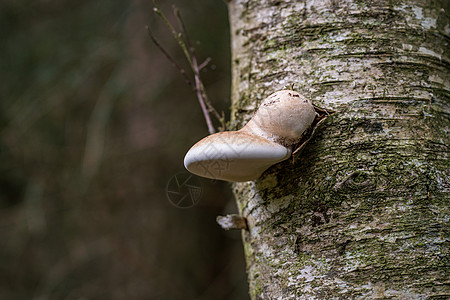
(363, 212)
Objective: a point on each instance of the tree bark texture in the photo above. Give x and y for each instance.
(362, 212)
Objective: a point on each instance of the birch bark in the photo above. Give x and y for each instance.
(363, 211)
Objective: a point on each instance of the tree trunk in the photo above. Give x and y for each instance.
(363, 211)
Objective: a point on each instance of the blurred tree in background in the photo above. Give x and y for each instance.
(93, 124)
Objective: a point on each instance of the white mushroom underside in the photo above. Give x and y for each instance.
(233, 156)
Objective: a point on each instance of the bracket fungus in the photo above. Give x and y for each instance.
(269, 137)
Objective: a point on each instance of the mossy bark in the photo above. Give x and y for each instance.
(363, 211)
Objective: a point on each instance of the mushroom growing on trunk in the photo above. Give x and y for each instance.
(268, 138)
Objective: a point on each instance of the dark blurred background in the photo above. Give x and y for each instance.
(94, 124)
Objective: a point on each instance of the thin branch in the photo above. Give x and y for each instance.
(167, 55)
(194, 65)
(184, 42)
(204, 64)
(177, 14)
(175, 34)
(201, 100)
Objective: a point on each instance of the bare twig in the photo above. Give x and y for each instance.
(204, 64)
(177, 14)
(194, 65)
(185, 44)
(167, 55)
(175, 34)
